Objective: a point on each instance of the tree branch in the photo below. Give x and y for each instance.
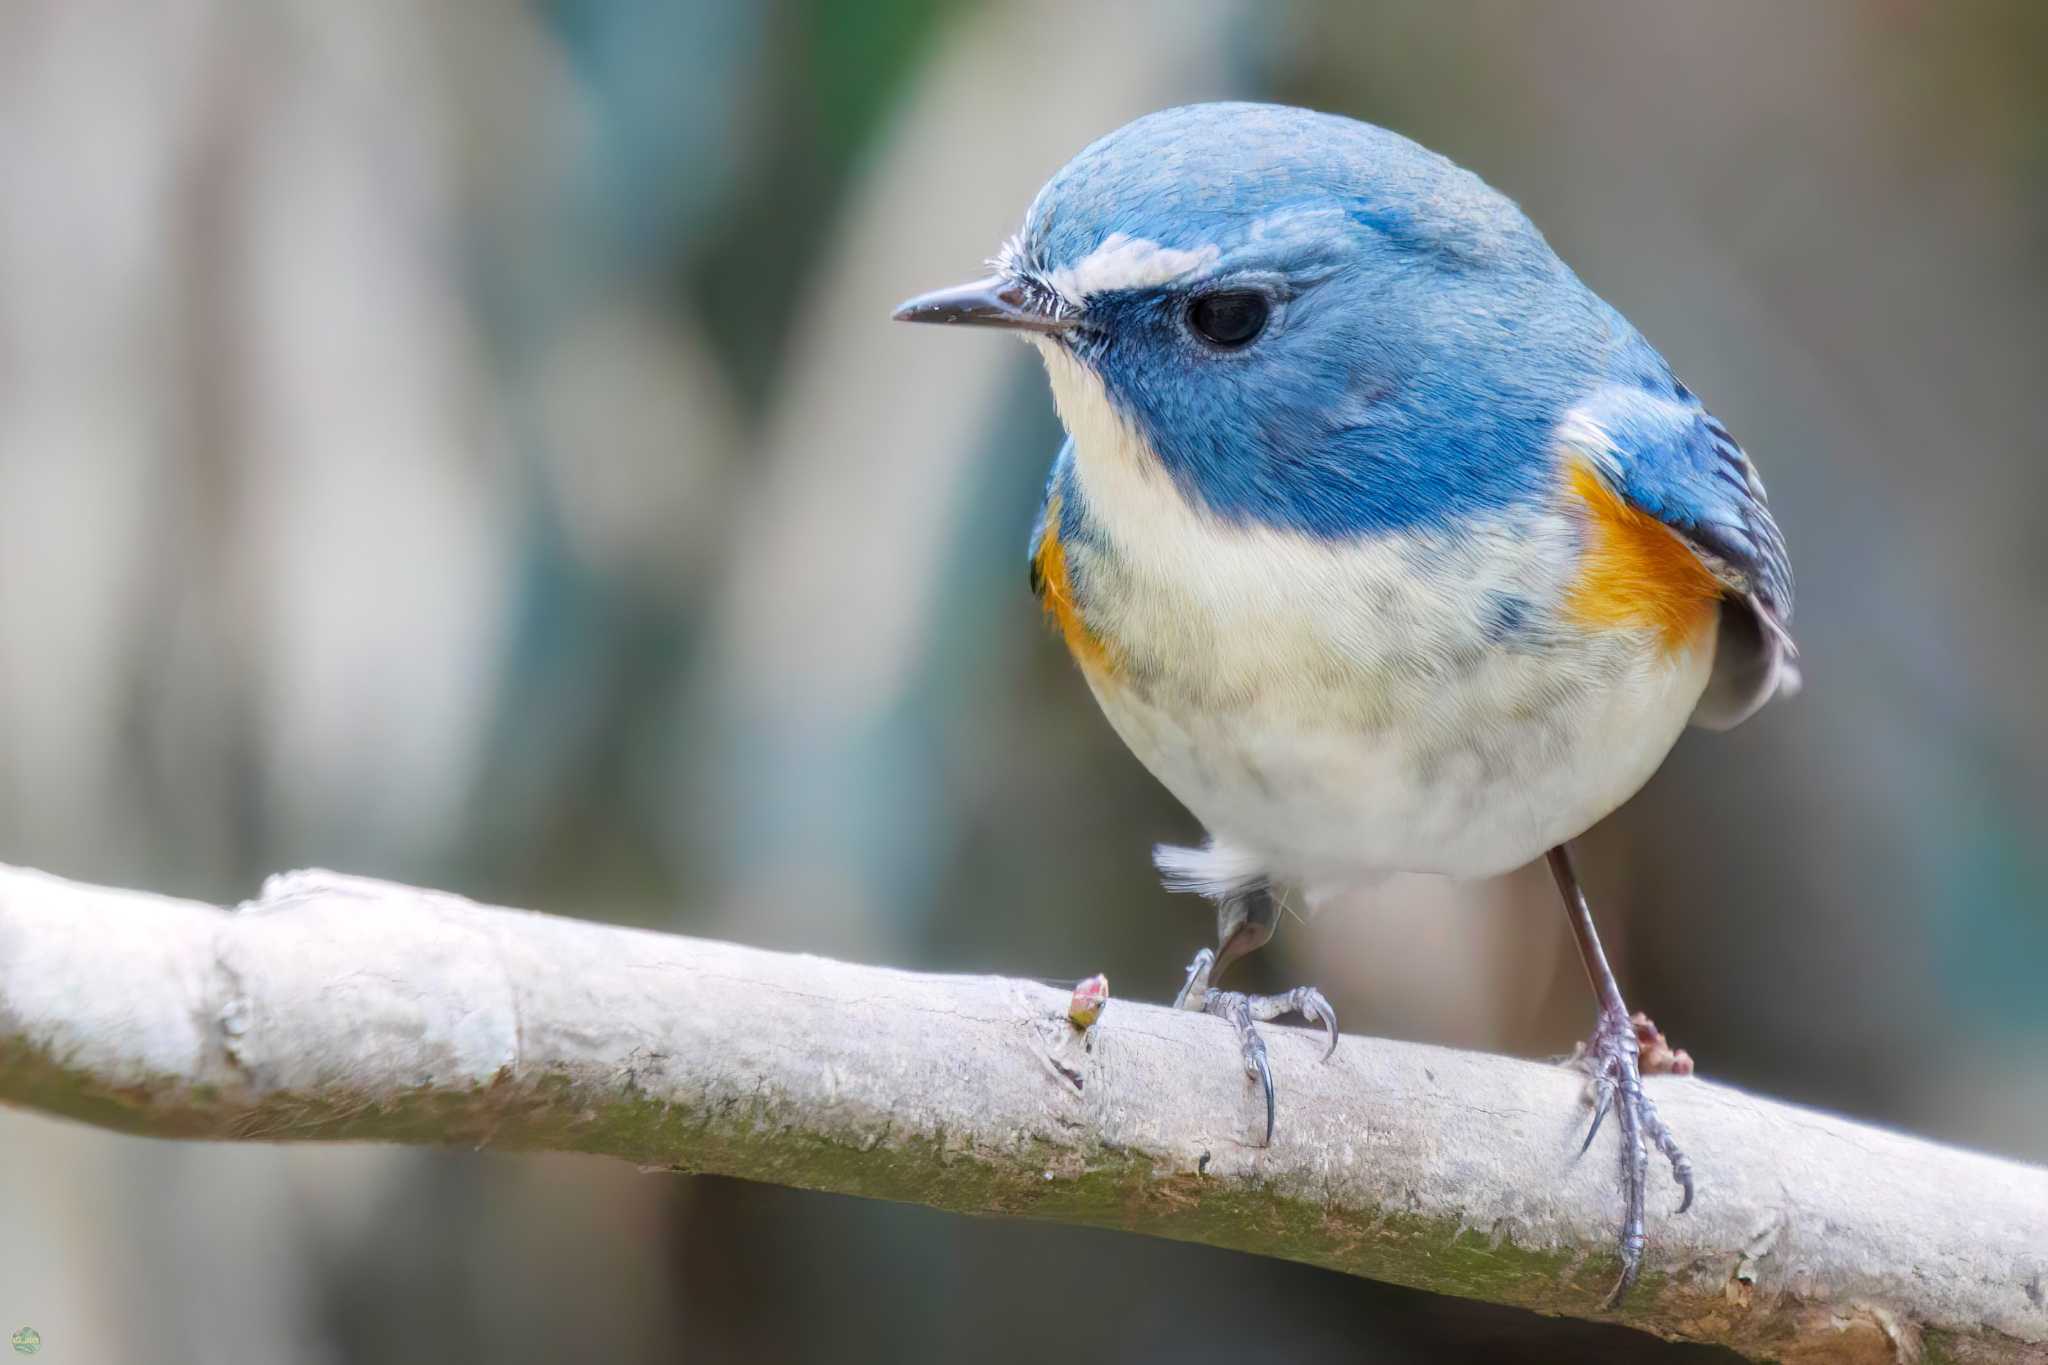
(340, 1008)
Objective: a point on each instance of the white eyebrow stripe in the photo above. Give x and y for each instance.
(1126, 262)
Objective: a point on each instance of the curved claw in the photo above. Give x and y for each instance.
(1246, 1012)
(1197, 983)
(1606, 1095)
(1630, 1267)
(1681, 1167)
(1632, 1245)
(1318, 1010)
(1255, 1062)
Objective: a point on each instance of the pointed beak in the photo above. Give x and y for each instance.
(994, 302)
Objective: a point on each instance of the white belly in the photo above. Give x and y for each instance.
(1484, 774)
(1338, 711)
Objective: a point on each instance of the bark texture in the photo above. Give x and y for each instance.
(341, 1008)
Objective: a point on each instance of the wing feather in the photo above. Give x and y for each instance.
(1671, 458)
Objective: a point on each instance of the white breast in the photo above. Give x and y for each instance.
(1336, 711)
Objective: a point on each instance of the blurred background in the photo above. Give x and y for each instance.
(466, 443)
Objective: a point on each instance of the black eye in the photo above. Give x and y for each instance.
(1228, 320)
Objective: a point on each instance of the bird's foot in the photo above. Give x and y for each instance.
(1619, 1052)
(1245, 1012)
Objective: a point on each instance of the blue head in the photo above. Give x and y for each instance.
(1312, 322)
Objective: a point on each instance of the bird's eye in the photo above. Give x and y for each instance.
(1229, 320)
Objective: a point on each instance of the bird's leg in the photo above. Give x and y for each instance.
(1244, 922)
(1614, 1056)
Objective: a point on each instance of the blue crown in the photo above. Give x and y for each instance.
(1425, 340)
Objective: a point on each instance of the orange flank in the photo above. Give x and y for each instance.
(1636, 572)
(1056, 595)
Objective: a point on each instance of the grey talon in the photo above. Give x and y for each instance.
(1614, 1057)
(1245, 1013)
(1195, 989)
(1606, 1093)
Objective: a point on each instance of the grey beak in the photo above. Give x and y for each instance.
(993, 302)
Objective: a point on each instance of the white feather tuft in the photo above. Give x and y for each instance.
(1579, 432)
(1126, 262)
(1219, 871)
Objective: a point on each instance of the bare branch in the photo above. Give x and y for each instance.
(339, 1008)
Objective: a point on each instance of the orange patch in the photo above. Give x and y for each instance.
(1056, 596)
(1636, 572)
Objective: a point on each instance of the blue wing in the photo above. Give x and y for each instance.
(1057, 484)
(1668, 456)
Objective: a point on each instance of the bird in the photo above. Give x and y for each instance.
(1381, 540)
